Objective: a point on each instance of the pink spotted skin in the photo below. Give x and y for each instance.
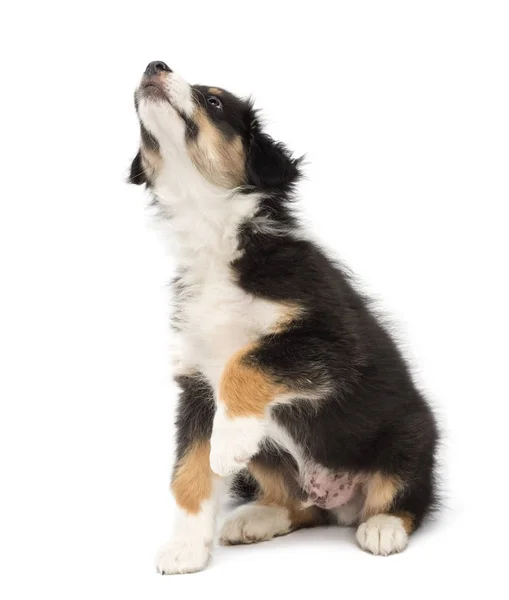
(328, 489)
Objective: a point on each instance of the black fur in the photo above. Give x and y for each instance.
(373, 417)
(137, 173)
(195, 413)
(244, 486)
(269, 164)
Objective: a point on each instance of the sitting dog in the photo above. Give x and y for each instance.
(292, 391)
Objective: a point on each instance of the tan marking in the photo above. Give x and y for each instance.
(244, 388)
(311, 516)
(275, 492)
(407, 519)
(215, 91)
(274, 489)
(289, 314)
(221, 160)
(192, 478)
(380, 491)
(152, 162)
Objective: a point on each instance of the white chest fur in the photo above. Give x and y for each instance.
(214, 316)
(217, 318)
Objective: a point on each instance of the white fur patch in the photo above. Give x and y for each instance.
(216, 318)
(182, 555)
(234, 441)
(382, 535)
(189, 547)
(255, 523)
(179, 92)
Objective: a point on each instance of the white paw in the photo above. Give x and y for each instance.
(382, 535)
(182, 556)
(234, 442)
(255, 523)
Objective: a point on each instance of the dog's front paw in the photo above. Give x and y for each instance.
(234, 442)
(182, 556)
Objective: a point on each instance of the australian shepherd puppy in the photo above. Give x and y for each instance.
(292, 391)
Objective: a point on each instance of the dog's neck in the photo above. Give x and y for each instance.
(200, 219)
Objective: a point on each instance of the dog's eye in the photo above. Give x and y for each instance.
(215, 102)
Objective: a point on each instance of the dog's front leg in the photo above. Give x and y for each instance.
(277, 369)
(245, 395)
(234, 440)
(194, 486)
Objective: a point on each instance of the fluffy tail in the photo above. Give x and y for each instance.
(244, 487)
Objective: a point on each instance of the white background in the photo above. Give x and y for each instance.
(402, 109)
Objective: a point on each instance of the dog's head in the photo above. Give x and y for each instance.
(208, 130)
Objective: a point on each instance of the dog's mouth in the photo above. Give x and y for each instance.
(153, 85)
(153, 89)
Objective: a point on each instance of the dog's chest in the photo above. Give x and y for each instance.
(215, 318)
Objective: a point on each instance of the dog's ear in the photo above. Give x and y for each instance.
(137, 174)
(270, 164)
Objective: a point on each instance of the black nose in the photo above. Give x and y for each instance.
(154, 67)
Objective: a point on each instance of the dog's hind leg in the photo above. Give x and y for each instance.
(273, 513)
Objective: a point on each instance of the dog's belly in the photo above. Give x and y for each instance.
(327, 489)
(319, 485)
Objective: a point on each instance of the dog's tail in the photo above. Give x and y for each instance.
(244, 487)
